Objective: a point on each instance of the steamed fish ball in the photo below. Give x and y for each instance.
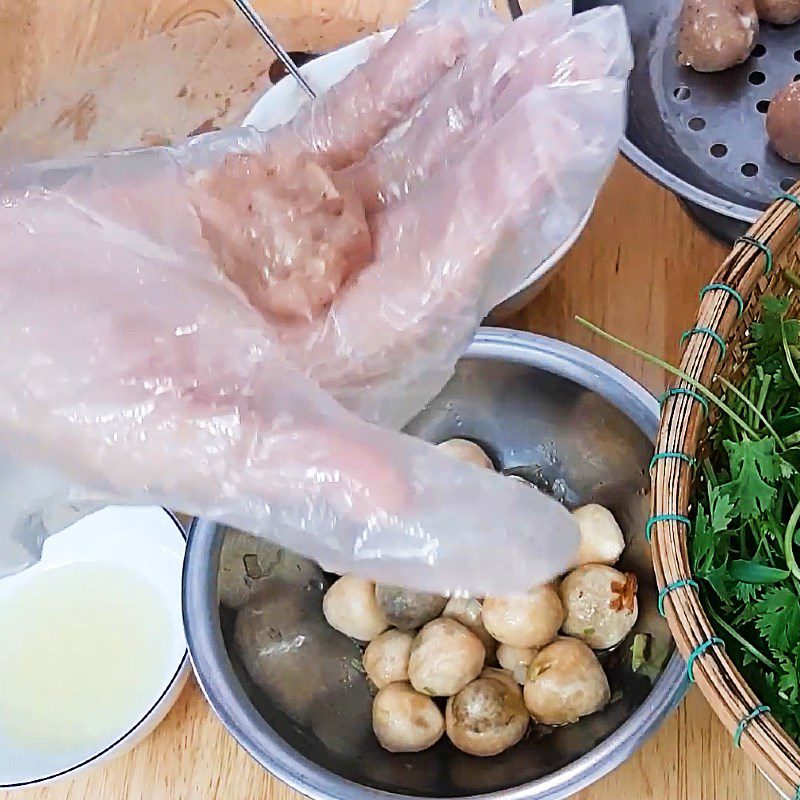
(386, 657)
(783, 122)
(714, 35)
(565, 682)
(600, 604)
(445, 657)
(503, 675)
(406, 609)
(350, 607)
(779, 12)
(469, 612)
(529, 620)
(486, 717)
(602, 541)
(516, 660)
(404, 720)
(465, 450)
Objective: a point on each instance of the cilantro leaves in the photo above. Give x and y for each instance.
(747, 507)
(777, 619)
(745, 538)
(754, 467)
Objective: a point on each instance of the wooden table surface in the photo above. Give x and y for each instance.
(636, 272)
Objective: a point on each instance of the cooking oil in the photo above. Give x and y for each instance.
(84, 648)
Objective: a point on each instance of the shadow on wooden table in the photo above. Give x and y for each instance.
(636, 272)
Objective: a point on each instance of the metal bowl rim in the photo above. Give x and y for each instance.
(671, 181)
(228, 700)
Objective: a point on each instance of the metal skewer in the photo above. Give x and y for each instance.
(264, 32)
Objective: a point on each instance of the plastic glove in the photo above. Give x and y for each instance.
(150, 364)
(464, 199)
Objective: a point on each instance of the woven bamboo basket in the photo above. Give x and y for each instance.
(758, 264)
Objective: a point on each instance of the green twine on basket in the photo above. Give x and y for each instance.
(648, 531)
(698, 651)
(671, 587)
(692, 462)
(723, 287)
(762, 247)
(676, 390)
(707, 332)
(744, 722)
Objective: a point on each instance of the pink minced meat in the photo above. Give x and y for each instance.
(283, 230)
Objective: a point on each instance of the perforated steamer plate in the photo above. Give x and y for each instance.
(703, 135)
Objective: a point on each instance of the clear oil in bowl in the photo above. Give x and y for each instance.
(85, 647)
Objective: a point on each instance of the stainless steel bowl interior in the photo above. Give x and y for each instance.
(702, 135)
(528, 400)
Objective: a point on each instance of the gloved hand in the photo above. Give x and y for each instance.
(186, 326)
(378, 221)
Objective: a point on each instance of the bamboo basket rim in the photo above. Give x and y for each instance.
(755, 262)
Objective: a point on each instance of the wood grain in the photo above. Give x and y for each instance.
(43, 40)
(636, 272)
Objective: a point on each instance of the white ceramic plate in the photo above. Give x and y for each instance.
(281, 102)
(150, 543)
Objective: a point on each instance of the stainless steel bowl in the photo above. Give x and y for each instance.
(529, 400)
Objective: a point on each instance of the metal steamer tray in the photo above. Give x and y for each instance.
(702, 135)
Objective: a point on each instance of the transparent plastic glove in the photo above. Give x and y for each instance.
(501, 160)
(152, 383)
(151, 365)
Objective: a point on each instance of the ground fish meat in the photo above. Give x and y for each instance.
(284, 229)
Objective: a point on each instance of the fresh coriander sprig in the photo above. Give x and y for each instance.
(746, 510)
(678, 373)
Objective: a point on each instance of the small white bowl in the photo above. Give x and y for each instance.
(281, 102)
(150, 543)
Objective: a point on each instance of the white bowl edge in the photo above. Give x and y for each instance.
(175, 677)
